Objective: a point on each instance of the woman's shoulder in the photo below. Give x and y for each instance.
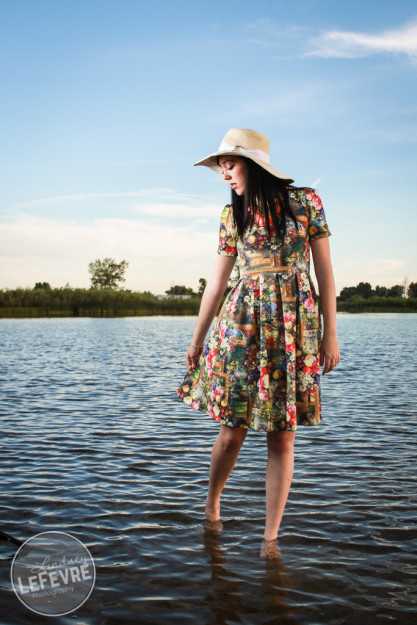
(301, 191)
(227, 213)
(226, 209)
(226, 217)
(303, 198)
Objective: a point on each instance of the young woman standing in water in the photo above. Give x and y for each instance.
(259, 368)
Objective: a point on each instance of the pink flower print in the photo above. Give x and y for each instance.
(314, 199)
(209, 361)
(214, 412)
(263, 383)
(312, 364)
(309, 304)
(218, 393)
(289, 316)
(222, 330)
(290, 346)
(291, 414)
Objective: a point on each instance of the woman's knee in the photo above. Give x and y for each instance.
(231, 439)
(281, 442)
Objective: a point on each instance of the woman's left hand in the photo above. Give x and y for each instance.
(329, 353)
(193, 355)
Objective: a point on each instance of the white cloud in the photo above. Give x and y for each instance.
(381, 271)
(351, 45)
(159, 254)
(197, 210)
(168, 237)
(77, 198)
(316, 183)
(313, 105)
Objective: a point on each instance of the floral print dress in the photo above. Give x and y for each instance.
(260, 365)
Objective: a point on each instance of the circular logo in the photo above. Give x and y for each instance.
(53, 573)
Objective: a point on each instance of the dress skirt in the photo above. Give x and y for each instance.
(260, 366)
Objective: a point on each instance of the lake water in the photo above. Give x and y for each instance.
(95, 443)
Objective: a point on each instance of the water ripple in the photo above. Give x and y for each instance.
(95, 443)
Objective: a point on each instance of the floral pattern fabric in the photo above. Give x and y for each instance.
(260, 365)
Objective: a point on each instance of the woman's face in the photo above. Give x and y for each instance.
(234, 172)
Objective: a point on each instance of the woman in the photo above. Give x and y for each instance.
(260, 367)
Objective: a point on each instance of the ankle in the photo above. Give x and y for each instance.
(212, 510)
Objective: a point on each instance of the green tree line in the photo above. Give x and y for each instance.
(365, 290)
(364, 298)
(44, 301)
(107, 298)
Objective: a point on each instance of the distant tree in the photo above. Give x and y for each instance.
(381, 291)
(107, 274)
(42, 285)
(364, 289)
(347, 292)
(203, 284)
(180, 289)
(412, 289)
(396, 291)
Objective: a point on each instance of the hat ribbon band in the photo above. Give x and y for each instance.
(260, 154)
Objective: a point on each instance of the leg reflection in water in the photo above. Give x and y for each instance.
(244, 585)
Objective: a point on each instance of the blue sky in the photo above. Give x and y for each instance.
(106, 104)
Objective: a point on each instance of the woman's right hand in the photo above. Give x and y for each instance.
(193, 355)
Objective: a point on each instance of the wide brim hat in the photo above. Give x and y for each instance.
(248, 144)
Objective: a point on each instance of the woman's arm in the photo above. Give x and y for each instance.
(329, 350)
(210, 301)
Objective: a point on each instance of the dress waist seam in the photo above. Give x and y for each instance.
(273, 263)
(249, 271)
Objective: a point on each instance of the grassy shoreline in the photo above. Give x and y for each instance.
(68, 302)
(377, 303)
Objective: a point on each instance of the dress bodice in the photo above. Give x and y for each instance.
(258, 249)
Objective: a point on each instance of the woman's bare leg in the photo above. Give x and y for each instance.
(223, 459)
(279, 472)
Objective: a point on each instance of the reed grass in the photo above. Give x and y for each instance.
(67, 302)
(74, 302)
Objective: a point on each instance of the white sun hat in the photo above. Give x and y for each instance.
(247, 143)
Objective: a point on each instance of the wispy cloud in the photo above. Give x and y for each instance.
(352, 45)
(316, 182)
(195, 210)
(158, 194)
(266, 33)
(159, 254)
(313, 106)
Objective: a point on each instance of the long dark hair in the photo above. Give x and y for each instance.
(265, 194)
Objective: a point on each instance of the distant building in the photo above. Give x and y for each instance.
(165, 296)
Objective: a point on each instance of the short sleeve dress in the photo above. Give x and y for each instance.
(260, 366)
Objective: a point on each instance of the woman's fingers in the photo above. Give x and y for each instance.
(330, 360)
(193, 356)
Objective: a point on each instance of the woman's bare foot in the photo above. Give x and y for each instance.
(270, 549)
(213, 526)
